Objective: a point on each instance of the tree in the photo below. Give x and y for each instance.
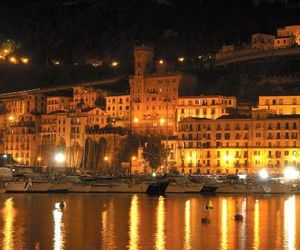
(154, 152)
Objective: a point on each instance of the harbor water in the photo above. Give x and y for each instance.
(139, 221)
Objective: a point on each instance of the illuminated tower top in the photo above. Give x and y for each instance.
(143, 56)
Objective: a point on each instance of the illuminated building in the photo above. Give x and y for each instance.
(86, 97)
(204, 106)
(17, 104)
(262, 41)
(154, 94)
(21, 139)
(235, 144)
(118, 109)
(280, 105)
(287, 36)
(58, 103)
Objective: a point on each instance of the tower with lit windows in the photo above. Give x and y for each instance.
(143, 57)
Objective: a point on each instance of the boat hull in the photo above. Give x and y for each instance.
(17, 186)
(60, 187)
(39, 187)
(157, 188)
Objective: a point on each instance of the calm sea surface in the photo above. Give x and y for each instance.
(125, 221)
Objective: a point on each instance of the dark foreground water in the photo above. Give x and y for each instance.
(125, 221)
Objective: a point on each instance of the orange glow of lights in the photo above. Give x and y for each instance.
(114, 64)
(13, 60)
(161, 61)
(25, 60)
(181, 59)
(134, 223)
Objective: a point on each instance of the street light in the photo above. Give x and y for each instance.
(290, 173)
(60, 158)
(11, 118)
(162, 121)
(133, 158)
(263, 174)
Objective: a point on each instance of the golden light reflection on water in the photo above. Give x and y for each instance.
(107, 231)
(243, 229)
(187, 225)
(160, 224)
(9, 216)
(59, 230)
(134, 223)
(224, 226)
(290, 223)
(256, 225)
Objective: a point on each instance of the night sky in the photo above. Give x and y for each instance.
(83, 33)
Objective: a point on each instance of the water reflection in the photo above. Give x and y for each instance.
(160, 224)
(256, 225)
(59, 230)
(108, 241)
(289, 222)
(224, 225)
(134, 223)
(243, 230)
(8, 214)
(187, 223)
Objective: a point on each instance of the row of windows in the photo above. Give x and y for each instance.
(109, 108)
(206, 102)
(280, 101)
(270, 126)
(121, 100)
(204, 111)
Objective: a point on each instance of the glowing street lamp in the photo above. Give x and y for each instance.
(136, 120)
(105, 158)
(181, 59)
(24, 60)
(11, 118)
(114, 64)
(161, 61)
(290, 173)
(13, 60)
(162, 121)
(60, 158)
(263, 174)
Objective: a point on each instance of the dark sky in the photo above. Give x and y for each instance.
(77, 32)
(74, 30)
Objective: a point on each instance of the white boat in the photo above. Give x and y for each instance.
(100, 187)
(80, 188)
(232, 189)
(184, 187)
(123, 187)
(39, 187)
(17, 186)
(60, 186)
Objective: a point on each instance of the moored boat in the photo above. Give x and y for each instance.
(17, 186)
(60, 186)
(39, 187)
(157, 187)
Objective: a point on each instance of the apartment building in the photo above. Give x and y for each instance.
(237, 144)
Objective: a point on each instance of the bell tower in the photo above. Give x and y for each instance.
(143, 57)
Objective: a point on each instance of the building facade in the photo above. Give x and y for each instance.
(262, 41)
(233, 145)
(210, 107)
(280, 105)
(154, 94)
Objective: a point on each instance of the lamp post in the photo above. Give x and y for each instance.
(60, 158)
(133, 158)
(105, 158)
